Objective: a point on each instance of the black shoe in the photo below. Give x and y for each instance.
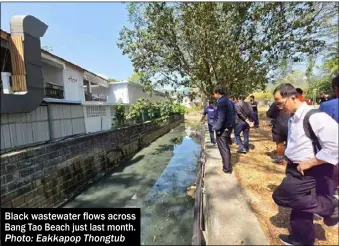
(289, 240)
(333, 219)
(228, 172)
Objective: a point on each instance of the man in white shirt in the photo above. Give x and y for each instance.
(307, 170)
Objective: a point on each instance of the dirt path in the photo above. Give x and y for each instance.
(259, 176)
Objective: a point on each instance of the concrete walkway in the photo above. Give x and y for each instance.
(228, 216)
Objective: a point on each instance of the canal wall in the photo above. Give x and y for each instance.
(48, 175)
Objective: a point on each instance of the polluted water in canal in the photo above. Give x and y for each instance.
(156, 180)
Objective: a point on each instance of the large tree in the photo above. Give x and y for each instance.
(232, 44)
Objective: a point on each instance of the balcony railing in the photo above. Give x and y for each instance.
(54, 91)
(90, 97)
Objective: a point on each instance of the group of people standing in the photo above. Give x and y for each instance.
(306, 137)
(226, 116)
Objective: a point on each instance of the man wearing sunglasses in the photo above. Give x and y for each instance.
(308, 170)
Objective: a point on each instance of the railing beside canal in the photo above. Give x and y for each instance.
(199, 223)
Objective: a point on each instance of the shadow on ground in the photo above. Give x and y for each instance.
(271, 154)
(122, 166)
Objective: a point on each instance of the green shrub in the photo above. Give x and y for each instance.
(144, 109)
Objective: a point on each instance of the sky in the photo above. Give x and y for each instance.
(82, 33)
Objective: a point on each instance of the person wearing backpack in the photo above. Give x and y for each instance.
(311, 166)
(223, 125)
(244, 119)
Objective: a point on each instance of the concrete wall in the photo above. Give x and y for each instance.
(97, 118)
(66, 120)
(48, 175)
(20, 129)
(45, 123)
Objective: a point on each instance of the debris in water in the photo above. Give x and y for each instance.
(191, 190)
(154, 238)
(134, 196)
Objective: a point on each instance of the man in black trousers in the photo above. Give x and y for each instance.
(243, 120)
(312, 165)
(254, 105)
(224, 123)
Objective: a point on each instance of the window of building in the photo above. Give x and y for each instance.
(5, 62)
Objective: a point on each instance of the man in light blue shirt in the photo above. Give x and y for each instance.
(331, 107)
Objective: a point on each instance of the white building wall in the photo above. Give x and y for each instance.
(135, 92)
(118, 93)
(73, 84)
(52, 74)
(124, 92)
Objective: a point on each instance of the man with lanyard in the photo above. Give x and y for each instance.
(307, 170)
(223, 125)
(210, 118)
(254, 105)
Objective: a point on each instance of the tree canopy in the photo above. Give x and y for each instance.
(135, 78)
(235, 45)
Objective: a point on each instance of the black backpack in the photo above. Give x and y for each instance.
(231, 114)
(309, 131)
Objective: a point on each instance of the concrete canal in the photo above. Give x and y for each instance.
(155, 180)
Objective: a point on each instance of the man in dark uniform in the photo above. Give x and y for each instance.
(243, 121)
(210, 119)
(224, 123)
(233, 100)
(254, 105)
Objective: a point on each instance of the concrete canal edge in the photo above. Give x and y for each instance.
(228, 216)
(50, 174)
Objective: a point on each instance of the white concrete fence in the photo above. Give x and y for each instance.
(53, 122)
